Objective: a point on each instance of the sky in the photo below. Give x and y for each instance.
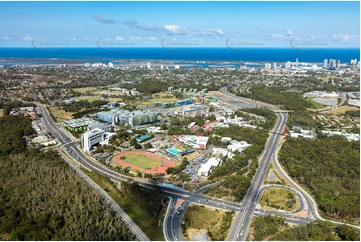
(180, 24)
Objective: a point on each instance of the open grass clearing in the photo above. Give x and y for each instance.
(213, 221)
(279, 198)
(159, 97)
(109, 92)
(84, 89)
(89, 98)
(315, 104)
(60, 114)
(141, 161)
(342, 110)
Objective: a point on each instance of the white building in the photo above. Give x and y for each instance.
(267, 66)
(321, 94)
(196, 142)
(148, 65)
(354, 102)
(349, 136)
(288, 65)
(91, 138)
(154, 129)
(239, 146)
(226, 140)
(206, 168)
(325, 63)
(222, 152)
(191, 125)
(299, 132)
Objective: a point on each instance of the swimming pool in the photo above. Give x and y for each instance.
(174, 151)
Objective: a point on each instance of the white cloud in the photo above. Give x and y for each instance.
(345, 37)
(219, 31)
(27, 38)
(136, 37)
(119, 38)
(174, 29)
(277, 36)
(151, 38)
(289, 32)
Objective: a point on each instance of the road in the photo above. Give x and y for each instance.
(177, 207)
(172, 229)
(243, 219)
(240, 227)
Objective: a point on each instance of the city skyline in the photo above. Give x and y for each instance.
(181, 24)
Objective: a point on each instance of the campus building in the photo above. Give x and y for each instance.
(94, 137)
(78, 125)
(131, 118)
(192, 111)
(196, 142)
(206, 168)
(91, 138)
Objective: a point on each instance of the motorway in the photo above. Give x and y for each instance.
(70, 147)
(243, 219)
(172, 222)
(240, 227)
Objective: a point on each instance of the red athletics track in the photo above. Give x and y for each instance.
(155, 170)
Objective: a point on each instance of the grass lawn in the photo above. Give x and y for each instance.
(159, 97)
(315, 104)
(60, 114)
(143, 218)
(214, 221)
(89, 98)
(84, 89)
(342, 110)
(180, 148)
(108, 92)
(279, 198)
(114, 99)
(142, 161)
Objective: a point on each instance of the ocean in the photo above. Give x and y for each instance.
(195, 55)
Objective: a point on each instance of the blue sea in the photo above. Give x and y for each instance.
(194, 55)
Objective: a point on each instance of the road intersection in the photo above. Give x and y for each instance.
(244, 211)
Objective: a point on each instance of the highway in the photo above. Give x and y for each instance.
(240, 227)
(243, 219)
(177, 207)
(70, 147)
(172, 222)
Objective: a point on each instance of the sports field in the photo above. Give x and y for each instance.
(143, 161)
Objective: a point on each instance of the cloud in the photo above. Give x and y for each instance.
(27, 38)
(174, 29)
(191, 32)
(277, 36)
(151, 38)
(119, 38)
(286, 35)
(345, 37)
(212, 32)
(136, 37)
(104, 20)
(6, 38)
(139, 37)
(135, 25)
(130, 22)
